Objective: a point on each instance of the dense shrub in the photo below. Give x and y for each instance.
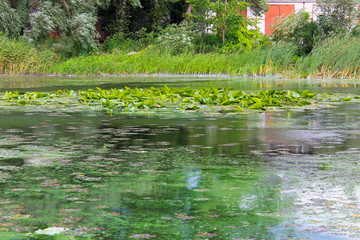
(125, 43)
(297, 29)
(206, 43)
(177, 39)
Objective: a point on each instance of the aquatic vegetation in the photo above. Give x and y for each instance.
(134, 177)
(209, 99)
(336, 57)
(135, 199)
(192, 99)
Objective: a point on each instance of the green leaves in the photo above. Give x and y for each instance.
(130, 100)
(307, 94)
(12, 20)
(22, 98)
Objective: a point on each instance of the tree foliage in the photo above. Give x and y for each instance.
(131, 16)
(13, 16)
(224, 18)
(258, 7)
(199, 7)
(298, 29)
(337, 16)
(74, 20)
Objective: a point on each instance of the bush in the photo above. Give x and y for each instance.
(206, 43)
(244, 40)
(121, 42)
(298, 29)
(177, 39)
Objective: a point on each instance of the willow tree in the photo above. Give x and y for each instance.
(13, 16)
(75, 20)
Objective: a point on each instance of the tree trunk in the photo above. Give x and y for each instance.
(188, 10)
(122, 9)
(187, 14)
(66, 6)
(223, 27)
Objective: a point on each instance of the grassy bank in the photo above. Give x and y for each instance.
(337, 57)
(267, 61)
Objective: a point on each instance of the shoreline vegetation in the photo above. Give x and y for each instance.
(179, 39)
(336, 57)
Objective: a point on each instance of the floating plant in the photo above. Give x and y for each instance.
(152, 99)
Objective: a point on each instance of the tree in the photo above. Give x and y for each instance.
(225, 15)
(151, 15)
(222, 16)
(258, 7)
(117, 14)
(337, 15)
(13, 16)
(296, 28)
(75, 20)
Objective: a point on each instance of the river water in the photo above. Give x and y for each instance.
(287, 174)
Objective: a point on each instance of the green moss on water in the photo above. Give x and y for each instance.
(12, 236)
(97, 176)
(172, 194)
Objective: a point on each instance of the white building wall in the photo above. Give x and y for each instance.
(260, 20)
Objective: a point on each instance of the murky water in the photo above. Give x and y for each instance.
(290, 174)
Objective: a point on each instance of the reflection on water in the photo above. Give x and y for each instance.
(265, 176)
(290, 174)
(53, 83)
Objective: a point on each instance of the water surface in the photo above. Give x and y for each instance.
(287, 174)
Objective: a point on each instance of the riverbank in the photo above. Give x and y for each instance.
(268, 61)
(333, 58)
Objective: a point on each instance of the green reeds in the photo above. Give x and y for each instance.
(17, 56)
(336, 57)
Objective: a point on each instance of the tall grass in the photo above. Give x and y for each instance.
(336, 57)
(268, 61)
(18, 56)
